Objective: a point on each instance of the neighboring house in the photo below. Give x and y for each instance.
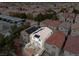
(77, 18)
(75, 29)
(66, 17)
(61, 16)
(52, 24)
(24, 35)
(54, 43)
(70, 19)
(71, 47)
(6, 22)
(70, 9)
(12, 20)
(65, 27)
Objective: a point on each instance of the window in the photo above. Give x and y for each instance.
(15, 22)
(4, 19)
(10, 21)
(37, 36)
(7, 20)
(61, 28)
(23, 20)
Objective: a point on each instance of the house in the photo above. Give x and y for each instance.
(65, 27)
(6, 22)
(77, 18)
(75, 29)
(37, 39)
(40, 36)
(70, 18)
(71, 47)
(12, 20)
(54, 43)
(65, 14)
(24, 35)
(70, 9)
(68, 15)
(52, 24)
(61, 16)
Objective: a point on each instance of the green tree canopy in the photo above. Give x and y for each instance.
(1, 38)
(20, 15)
(52, 16)
(29, 16)
(40, 17)
(76, 11)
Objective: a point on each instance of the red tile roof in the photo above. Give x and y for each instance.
(51, 22)
(72, 44)
(57, 38)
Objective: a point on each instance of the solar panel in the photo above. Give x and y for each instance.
(32, 29)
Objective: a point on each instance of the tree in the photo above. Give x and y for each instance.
(1, 40)
(76, 11)
(20, 15)
(39, 18)
(52, 16)
(50, 11)
(63, 9)
(13, 29)
(6, 43)
(1, 37)
(29, 16)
